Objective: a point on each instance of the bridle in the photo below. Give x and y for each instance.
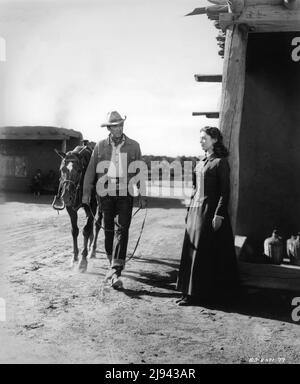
(64, 182)
(75, 204)
(120, 227)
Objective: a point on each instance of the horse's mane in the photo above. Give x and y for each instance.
(83, 152)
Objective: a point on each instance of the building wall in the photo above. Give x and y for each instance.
(20, 159)
(269, 190)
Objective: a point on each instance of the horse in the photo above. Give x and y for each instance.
(72, 170)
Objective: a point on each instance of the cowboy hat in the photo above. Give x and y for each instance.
(113, 118)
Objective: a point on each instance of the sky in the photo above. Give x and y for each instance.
(70, 62)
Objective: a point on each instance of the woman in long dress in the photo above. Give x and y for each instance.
(208, 268)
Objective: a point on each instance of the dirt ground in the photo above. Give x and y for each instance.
(57, 315)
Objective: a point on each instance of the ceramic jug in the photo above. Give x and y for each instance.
(295, 256)
(273, 248)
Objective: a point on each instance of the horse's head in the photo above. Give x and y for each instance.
(72, 170)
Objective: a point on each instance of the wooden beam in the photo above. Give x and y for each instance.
(249, 2)
(262, 2)
(64, 145)
(212, 11)
(283, 277)
(236, 6)
(209, 115)
(232, 104)
(197, 11)
(209, 78)
(218, 2)
(266, 18)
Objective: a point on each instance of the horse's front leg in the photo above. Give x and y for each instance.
(75, 232)
(87, 230)
(93, 248)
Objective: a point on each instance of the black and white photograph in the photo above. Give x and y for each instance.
(149, 185)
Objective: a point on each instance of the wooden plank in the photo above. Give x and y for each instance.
(283, 277)
(209, 115)
(197, 11)
(236, 6)
(211, 11)
(232, 105)
(218, 2)
(265, 18)
(262, 2)
(209, 78)
(4, 136)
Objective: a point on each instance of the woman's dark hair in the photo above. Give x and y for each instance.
(219, 148)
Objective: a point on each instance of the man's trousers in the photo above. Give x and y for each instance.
(120, 207)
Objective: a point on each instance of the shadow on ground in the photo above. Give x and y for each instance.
(253, 302)
(28, 198)
(262, 303)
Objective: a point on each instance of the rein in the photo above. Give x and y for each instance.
(130, 255)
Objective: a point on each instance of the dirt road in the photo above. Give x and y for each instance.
(57, 315)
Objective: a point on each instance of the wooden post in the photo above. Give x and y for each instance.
(64, 145)
(232, 104)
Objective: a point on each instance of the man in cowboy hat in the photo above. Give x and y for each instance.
(111, 164)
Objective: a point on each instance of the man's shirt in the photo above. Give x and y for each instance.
(115, 169)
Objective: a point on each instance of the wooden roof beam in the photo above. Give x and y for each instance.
(209, 115)
(209, 78)
(212, 11)
(266, 18)
(235, 6)
(263, 2)
(248, 3)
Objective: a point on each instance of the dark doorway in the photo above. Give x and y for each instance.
(269, 189)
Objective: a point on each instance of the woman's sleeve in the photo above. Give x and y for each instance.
(223, 174)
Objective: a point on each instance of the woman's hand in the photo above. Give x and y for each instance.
(217, 222)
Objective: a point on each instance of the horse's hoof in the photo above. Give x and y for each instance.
(73, 263)
(83, 265)
(92, 254)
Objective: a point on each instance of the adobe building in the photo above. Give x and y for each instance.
(23, 150)
(260, 122)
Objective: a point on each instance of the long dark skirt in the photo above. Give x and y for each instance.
(208, 267)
